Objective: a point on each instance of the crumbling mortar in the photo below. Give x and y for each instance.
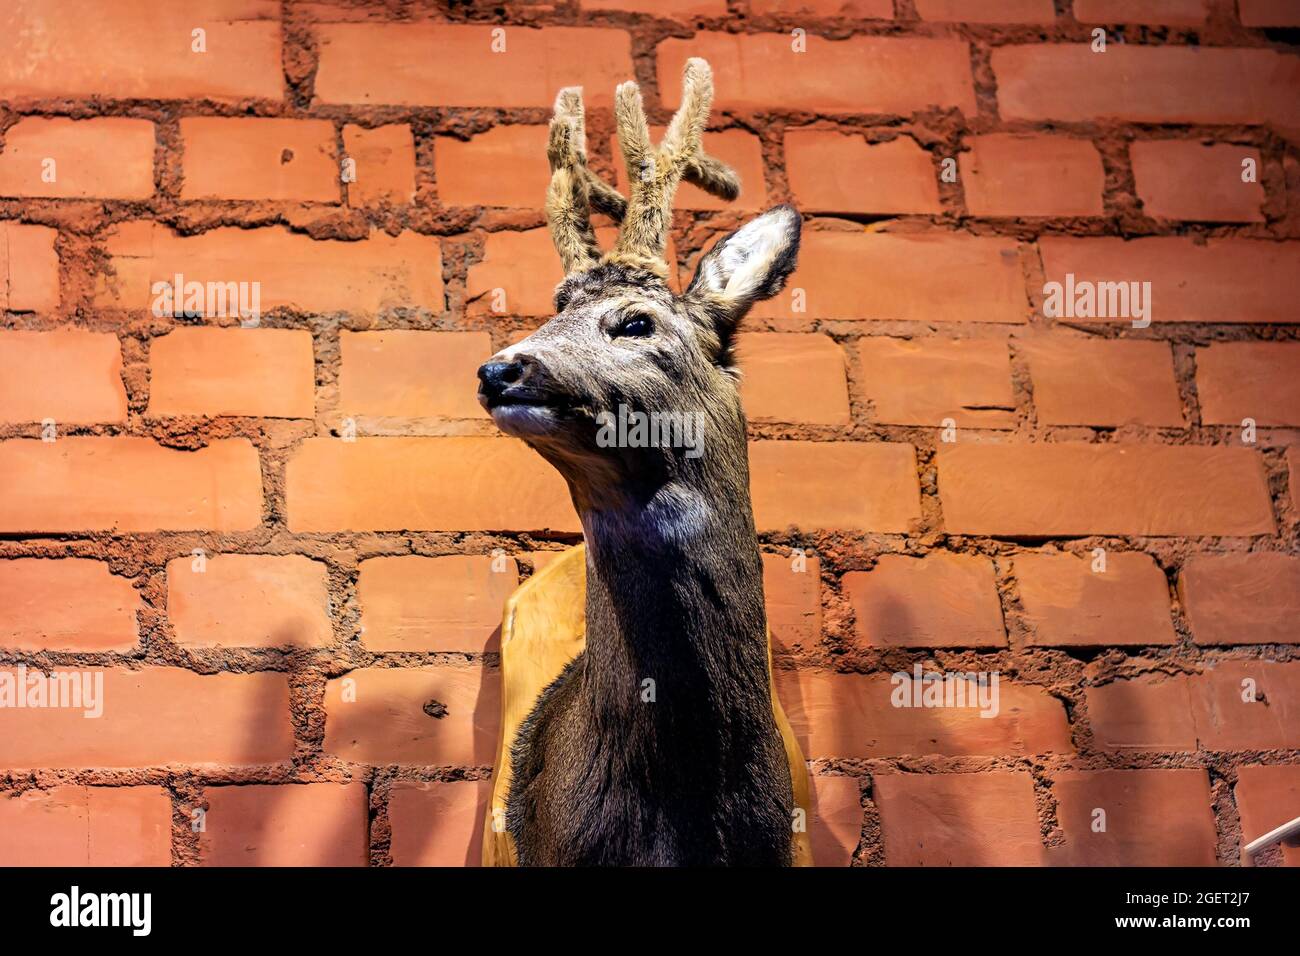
(83, 226)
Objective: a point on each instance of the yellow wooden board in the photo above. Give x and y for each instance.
(545, 627)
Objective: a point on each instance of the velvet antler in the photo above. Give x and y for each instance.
(653, 174)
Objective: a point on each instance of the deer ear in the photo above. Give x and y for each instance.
(750, 264)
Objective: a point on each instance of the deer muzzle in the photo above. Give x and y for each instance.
(496, 379)
(511, 389)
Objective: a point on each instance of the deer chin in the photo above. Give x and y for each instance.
(520, 420)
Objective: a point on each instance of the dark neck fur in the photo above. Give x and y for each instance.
(675, 595)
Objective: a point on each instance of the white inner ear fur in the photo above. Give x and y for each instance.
(742, 264)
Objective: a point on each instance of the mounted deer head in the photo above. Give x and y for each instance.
(674, 585)
(621, 339)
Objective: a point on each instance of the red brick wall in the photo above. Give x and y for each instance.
(951, 159)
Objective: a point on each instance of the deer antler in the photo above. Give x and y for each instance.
(653, 175)
(568, 205)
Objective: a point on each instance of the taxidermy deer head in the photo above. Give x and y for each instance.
(621, 339)
(631, 392)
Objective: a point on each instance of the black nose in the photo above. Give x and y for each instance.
(497, 376)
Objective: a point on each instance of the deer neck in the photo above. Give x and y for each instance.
(675, 600)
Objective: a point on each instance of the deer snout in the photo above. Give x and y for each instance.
(497, 378)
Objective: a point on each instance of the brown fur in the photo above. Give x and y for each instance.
(657, 745)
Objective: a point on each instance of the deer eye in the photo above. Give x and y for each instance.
(634, 325)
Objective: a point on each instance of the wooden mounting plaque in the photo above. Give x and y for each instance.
(543, 628)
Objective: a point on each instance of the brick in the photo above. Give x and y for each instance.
(314, 824)
(856, 9)
(141, 50)
(1031, 174)
(835, 820)
(853, 715)
(833, 172)
(326, 11)
(662, 8)
(1225, 280)
(543, 559)
(29, 268)
(1226, 721)
(1174, 13)
(1235, 705)
(438, 824)
(452, 603)
(249, 600)
(388, 719)
(1247, 598)
(384, 169)
(294, 271)
(1182, 179)
(502, 166)
(128, 484)
(154, 717)
(427, 484)
(1146, 84)
(1068, 604)
(988, 11)
(389, 63)
(1257, 380)
(959, 819)
(257, 372)
(1151, 818)
(1268, 13)
(1071, 488)
(70, 375)
(793, 600)
(66, 604)
(1146, 713)
(1267, 798)
(247, 157)
(928, 277)
(810, 485)
(60, 158)
(517, 274)
(738, 149)
(792, 377)
(1105, 382)
(87, 826)
(412, 374)
(864, 74)
(940, 600)
(924, 381)
(523, 264)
